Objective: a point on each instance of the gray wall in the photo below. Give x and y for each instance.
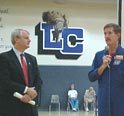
(57, 79)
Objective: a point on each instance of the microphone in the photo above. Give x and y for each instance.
(107, 49)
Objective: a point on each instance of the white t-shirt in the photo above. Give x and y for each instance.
(72, 93)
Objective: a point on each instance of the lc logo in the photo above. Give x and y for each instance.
(70, 45)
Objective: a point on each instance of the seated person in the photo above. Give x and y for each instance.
(72, 98)
(89, 97)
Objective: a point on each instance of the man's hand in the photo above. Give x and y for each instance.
(26, 98)
(31, 92)
(106, 60)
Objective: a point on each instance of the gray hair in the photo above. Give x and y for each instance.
(17, 33)
(91, 88)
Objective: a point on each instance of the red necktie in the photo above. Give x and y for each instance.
(25, 69)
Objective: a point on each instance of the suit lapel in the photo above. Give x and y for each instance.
(16, 63)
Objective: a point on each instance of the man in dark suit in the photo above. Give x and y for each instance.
(19, 73)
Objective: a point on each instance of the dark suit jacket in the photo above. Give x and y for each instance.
(12, 80)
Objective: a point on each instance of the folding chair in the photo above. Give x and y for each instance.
(54, 103)
(96, 107)
(68, 106)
